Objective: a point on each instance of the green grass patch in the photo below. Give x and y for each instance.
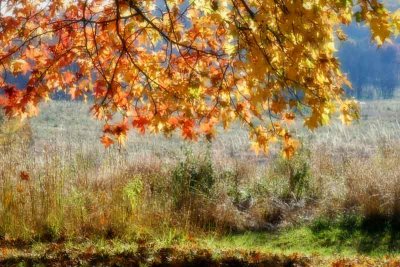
(347, 235)
(344, 238)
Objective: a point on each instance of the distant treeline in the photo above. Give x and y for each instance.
(374, 72)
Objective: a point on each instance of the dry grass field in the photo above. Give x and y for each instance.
(338, 196)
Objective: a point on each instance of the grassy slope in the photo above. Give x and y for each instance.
(321, 240)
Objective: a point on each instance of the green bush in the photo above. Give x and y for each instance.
(132, 191)
(192, 176)
(240, 195)
(294, 174)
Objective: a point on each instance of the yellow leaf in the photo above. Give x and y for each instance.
(19, 66)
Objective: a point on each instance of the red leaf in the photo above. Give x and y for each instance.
(141, 123)
(24, 176)
(100, 89)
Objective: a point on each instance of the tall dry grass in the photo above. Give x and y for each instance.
(57, 182)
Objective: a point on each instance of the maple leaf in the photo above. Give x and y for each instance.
(173, 121)
(188, 130)
(119, 130)
(312, 122)
(289, 117)
(290, 146)
(68, 77)
(208, 129)
(278, 105)
(24, 176)
(100, 88)
(106, 141)
(20, 66)
(349, 111)
(141, 123)
(32, 53)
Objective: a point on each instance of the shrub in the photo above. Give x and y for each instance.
(294, 174)
(192, 176)
(132, 191)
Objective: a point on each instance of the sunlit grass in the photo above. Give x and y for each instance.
(79, 192)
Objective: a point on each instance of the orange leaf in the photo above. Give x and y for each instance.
(173, 121)
(68, 77)
(107, 141)
(19, 66)
(289, 117)
(188, 131)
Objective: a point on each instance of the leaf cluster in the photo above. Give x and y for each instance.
(175, 65)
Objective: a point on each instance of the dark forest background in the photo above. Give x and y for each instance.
(374, 72)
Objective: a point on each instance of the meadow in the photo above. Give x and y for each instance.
(65, 199)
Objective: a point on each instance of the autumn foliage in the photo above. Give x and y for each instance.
(186, 65)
